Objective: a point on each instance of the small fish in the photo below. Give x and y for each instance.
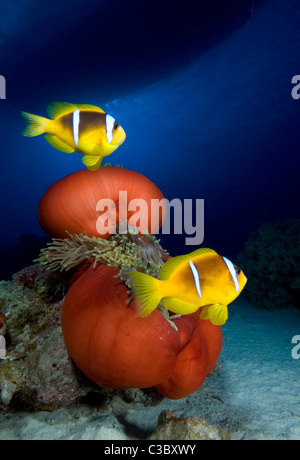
(202, 278)
(81, 127)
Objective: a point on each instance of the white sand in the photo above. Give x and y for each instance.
(255, 395)
(259, 377)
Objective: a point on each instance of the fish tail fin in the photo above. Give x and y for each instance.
(146, 292)
(36, 125)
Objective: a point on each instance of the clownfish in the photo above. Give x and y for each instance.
(202, 278)
(81, 127)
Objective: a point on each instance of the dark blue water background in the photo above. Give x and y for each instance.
(202, 89)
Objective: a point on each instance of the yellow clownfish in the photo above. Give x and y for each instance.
(199, 279)
(84, 128)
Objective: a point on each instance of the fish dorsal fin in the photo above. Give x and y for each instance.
(57, 109)
(172, 264)
(89, 107)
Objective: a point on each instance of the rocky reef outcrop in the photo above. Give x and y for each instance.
(271, 262)
(37, 372)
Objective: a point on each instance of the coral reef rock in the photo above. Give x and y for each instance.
(189, 428)
(271, 262)
(37, 372)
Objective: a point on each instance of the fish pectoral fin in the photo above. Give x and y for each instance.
(58, 144)
(178, 306)
(145, 289)
(92, 162)
(217, 314)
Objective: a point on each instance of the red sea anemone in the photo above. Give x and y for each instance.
(96, 201)
(104, 336)
(195, 360)
(115, 348)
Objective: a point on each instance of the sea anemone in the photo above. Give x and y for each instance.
(62, 254)
(65, 259)
(115, 348)
(95, 202)
(103, 334)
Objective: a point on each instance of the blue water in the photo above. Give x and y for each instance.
(202, 89)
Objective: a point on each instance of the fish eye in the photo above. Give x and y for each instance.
(116, 125)
(237, 270)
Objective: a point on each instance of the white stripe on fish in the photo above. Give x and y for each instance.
(196, 277)
(233, 273)
(76, 121)
(109, 127)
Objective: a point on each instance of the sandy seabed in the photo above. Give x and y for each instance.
(255, 394)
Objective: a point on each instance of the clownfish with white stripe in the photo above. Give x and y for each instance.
(81, 127)
(202, 278)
